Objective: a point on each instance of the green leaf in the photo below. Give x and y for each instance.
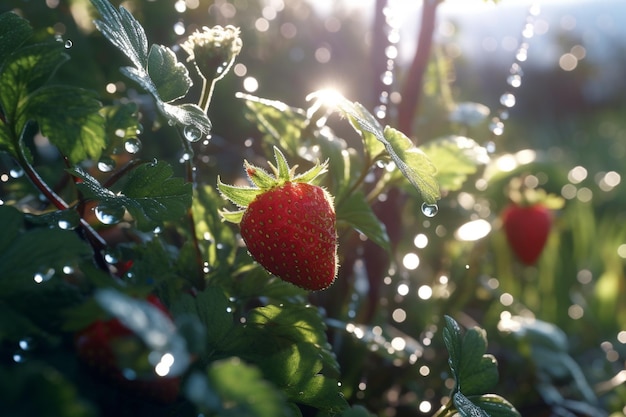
(121, 121)
(24, 254)
(15, 31)
(482, 377)
(474, 346)
(281, 124)
(211, 307)
(38, 389)
(157, 72)
(232, 388)
(452, 340)
(170, 77)
(495, 406)
(25, 71)
(69, 117)
(456, 157)
(467, 408)
(358, 214)
(413, 163)
(366, 125)
(123, 31)
(149, 193)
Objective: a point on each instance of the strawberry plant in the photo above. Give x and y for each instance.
(131, 286)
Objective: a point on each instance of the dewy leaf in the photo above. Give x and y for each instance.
(170, 77)
(150, 194)
(467, 408)
(24, 254)
(123, 31)
(14, 32)
(69, 117)
(357, 213)
(366, 124)
(456, 157)
(186, 115)
(413, 163)
(495, 406)
(452, 340)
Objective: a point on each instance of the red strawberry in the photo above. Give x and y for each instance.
(527, 229)
(288, 224)
(95, 346)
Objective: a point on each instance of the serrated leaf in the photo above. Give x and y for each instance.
(123, 31)
(473, 346)
(495, 406)
(69, 117)
(186, 115)
(149, 193)
(232, 388)
(356, 212)
(456, 157)
(482, 377)
(170, 77)
(366, 125)
(281, 124)
(413, 163)
(467, 408)
(25, 71)
(210, 306)
(452, 340)
(14, 31)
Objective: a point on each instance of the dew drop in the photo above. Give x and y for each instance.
(16, 172)
(132, 145)
(43, 276)
(106, 164)
(68, 220)
(430, 210)
(26, 343)
(64, 224)
(507, 100)
(68, 44)
(18, 357)
(514, 80)
(192, 133)
(110, 258)
(109, 214)
(496, 127)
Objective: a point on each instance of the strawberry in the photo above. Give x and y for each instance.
(287, 223)
(527, 228)
(96, 348)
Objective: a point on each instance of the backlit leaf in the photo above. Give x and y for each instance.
(356, 212)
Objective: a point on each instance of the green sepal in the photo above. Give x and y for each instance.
(259, 177)
(310, 175)
(241, 196)
(232, 216)
(281, 170)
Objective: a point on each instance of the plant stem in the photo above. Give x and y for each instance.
(207, 93)
(94, 239)
(413, 86)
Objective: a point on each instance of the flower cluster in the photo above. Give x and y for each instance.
(213, 50)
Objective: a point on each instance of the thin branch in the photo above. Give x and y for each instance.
(412, 90)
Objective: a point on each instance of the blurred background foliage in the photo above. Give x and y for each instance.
(565, 134)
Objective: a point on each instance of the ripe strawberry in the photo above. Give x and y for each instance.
(95, 346)
(288, 223)
(527, 229)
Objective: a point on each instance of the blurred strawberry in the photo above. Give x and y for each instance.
(527, 229)
(97, 345)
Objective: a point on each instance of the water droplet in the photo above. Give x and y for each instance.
(18, 357)
(16, 172)
(106, 164)
(132, 145)
(68, 44)
(507, 100)
(514, 80)
(64, 224)
(496, 127)
(430, 210)
(110, 258)
(68, 220)
(108, 214)
(192, 133)
(43, 276)
(26, 343)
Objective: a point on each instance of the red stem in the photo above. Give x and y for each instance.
(412, 90)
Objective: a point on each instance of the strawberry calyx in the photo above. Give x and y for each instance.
(281, 173)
